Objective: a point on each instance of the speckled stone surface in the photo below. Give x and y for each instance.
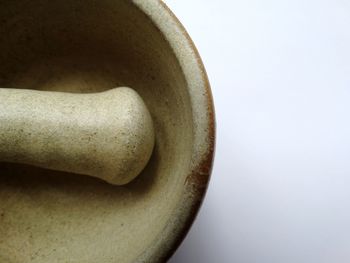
(108, 135)
(92, 46)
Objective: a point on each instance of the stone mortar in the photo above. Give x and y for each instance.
(92, 46)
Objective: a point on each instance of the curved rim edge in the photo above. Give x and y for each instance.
(198, 179)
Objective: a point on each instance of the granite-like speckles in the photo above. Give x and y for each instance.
(108, 135)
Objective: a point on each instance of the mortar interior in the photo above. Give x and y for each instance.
(90, 46)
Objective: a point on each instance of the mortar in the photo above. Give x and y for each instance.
(92, 46)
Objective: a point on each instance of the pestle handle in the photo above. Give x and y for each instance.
(108, 135)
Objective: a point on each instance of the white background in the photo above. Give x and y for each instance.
(280, 75)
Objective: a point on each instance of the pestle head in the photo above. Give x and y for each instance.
(108, 135)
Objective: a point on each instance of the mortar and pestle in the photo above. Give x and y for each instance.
(64, 127)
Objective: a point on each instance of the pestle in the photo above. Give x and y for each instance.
(108, 135)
